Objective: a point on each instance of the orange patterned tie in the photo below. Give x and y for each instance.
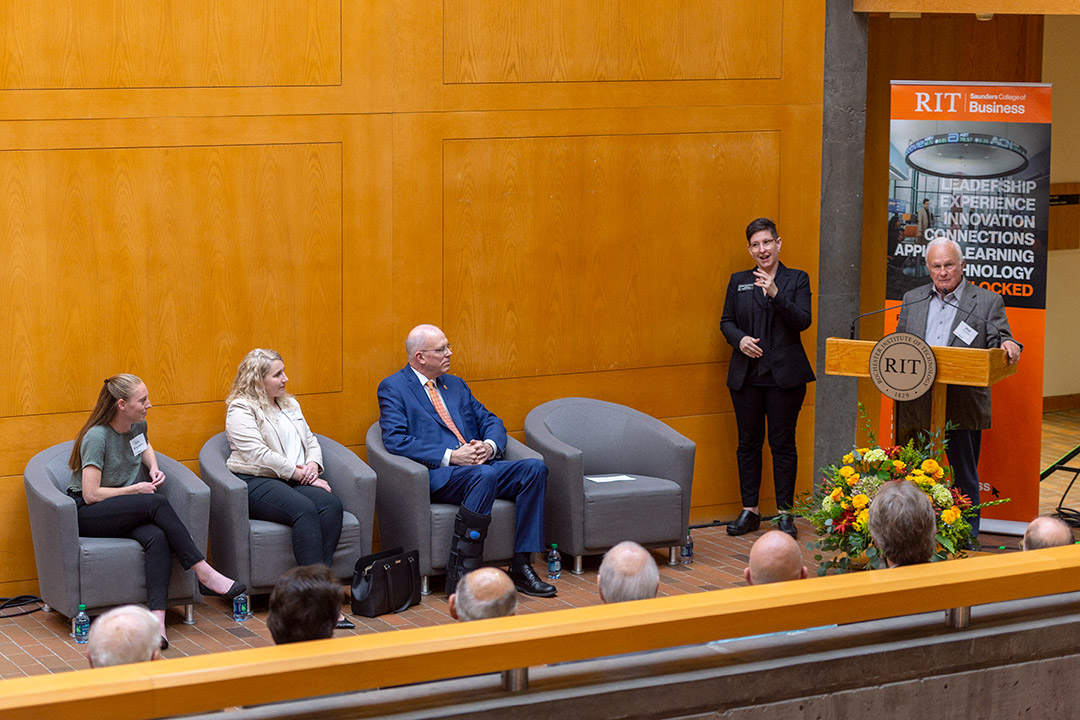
(441, 409)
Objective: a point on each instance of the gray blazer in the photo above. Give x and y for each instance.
(984, 311)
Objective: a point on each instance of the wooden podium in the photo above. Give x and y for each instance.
(974, 367)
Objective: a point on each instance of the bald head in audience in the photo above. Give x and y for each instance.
(774, 557)
(125, 634)
(486, 592)
(1044, 532)
(628, 572)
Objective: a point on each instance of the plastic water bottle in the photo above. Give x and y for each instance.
(82, 625)
(554, 563)
(688, 549)
(240, 609)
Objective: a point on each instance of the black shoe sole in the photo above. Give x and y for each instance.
(734, 530)
(344, 625)
(534, 593)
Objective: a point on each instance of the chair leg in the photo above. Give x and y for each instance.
(425, 585)
(189, 614)
(673, 555)
(577, 566)
(45, 607)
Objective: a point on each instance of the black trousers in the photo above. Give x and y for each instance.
(756, 406)
(151, 521)
(313, 514)
(963, 455)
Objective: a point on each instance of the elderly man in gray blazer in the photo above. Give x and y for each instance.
(953, 312)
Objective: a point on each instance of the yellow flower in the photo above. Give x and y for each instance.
(844, 505)
(861, 519)
(899, 466)
(950, 515)
(860, 501)
(837, 493)
(863, 451)
(846, 471)
(849, 458)
(930, 466)
(916, 472)
(851, 481)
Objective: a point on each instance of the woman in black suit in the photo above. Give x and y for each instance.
(765, 310)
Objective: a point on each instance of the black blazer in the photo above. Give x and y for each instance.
(789, 314)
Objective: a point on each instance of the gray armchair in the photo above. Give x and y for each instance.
(579, 437)
(104, 572)
(258, 552)
(409, 519)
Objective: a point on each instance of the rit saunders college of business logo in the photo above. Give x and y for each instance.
(902, 366)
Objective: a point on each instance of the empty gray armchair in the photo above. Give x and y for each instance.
(258, 552)
(103, 572)
(578, 438)
(408, 518)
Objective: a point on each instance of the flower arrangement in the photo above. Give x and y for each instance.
(839, 507)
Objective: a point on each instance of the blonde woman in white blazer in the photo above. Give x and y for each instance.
(277, 455)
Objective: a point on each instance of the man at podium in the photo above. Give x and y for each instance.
(953, 312)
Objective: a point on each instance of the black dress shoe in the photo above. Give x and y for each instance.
(237, 588)
(344, 624)
(526, 581)
(746, 522)
(164, 644)
(787, 524)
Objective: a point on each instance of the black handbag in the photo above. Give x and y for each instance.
(386, 582)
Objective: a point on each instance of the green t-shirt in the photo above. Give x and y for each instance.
(110, 452)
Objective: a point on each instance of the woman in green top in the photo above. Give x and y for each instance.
(113, 502)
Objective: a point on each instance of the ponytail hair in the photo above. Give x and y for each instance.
(116, 388)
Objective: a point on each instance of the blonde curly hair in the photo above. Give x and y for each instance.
(249, 383)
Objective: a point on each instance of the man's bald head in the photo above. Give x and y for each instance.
(126, 634)
(1044, 532)
(484, 593)
(774, 557)
(628, 572)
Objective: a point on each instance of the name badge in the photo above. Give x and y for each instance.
(139, 444)
(748, 286)
(965, 332)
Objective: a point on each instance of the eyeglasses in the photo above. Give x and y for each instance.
(441, 350)
(762, 246)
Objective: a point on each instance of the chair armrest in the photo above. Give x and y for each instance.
(230, 529)
(403, 499)
(353, 482)
(654, 448)
(189, 498)
(54, 528)
(519, 451)
(565, 499)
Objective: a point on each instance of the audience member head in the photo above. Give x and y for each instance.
(120, 387)
(1044, 532)
(125, 634)
(305, 605)
(628, 572)
(486, 592)
(902, 523)
(428, 350)
(250, 380)
(774, 557)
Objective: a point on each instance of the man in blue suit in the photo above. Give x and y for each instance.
(432, 418)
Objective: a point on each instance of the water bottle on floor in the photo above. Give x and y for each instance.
(688, 549)
(81, 625)
(240, 609)
(554, 562)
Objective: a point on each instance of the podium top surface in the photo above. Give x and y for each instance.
(955, 366)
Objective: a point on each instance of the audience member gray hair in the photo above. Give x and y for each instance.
(903, 524)
(774, 557)
(486, 592)
(1044, 532)
(125, 634)
(628, 572)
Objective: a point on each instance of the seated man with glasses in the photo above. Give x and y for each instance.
(431, 417)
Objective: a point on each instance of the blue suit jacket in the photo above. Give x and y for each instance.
(411, 427)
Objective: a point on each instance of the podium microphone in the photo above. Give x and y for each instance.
(851, 336)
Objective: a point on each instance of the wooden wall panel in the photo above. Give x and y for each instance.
(1064, 230)
(195, 43)
(493, 41)
(621, 233)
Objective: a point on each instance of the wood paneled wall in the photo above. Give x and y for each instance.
(561, 185)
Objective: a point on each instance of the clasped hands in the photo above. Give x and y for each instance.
(475, 452)
(309, 475)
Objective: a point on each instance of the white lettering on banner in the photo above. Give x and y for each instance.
(922, 102)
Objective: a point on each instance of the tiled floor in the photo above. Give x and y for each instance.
(40, 643)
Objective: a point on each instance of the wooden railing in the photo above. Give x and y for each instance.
(261, 675)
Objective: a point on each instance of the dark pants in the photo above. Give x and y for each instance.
(151, 521)
(754, 404)
(476, 487)
(313, 514)
(963, 456)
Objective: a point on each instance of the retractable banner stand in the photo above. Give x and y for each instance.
(971, 162)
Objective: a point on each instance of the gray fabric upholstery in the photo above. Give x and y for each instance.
(579, 437)
(409, 519)
(257, 552)
(103, 572)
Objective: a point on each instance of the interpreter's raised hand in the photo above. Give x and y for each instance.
(765, 281)
(750, 347)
